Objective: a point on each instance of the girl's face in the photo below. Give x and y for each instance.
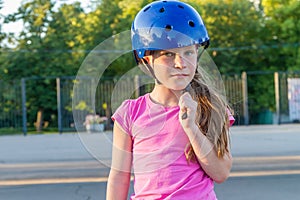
(174, 68)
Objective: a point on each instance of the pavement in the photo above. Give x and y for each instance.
(49, 156)
(50, 160)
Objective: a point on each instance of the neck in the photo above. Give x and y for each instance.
(165, 96)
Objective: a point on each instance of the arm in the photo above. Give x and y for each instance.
(217, 168)
(119, 176)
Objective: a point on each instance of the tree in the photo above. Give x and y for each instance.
(283, 24)
(66, 40)
(2, 35)
(32, 57)
(112, 18)
(234, 28)
(55, 41)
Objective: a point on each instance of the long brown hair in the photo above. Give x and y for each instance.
(211, 116)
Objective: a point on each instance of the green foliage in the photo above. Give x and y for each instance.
(57, 38)
(2, 35)
(234, 27)
(283, 24)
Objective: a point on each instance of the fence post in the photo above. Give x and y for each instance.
(58, 96)
(92, 94)
(245, 98)
(24, 112)
(137, 85)
(277, 96)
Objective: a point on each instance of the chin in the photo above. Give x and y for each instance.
(178, 88)
(176, 85)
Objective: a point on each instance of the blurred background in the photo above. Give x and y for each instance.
(43, 43)
(255, 45)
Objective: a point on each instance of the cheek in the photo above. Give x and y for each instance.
(161, 72)
(161, 69)
(194, 64)
(193, 72)
(190, 78)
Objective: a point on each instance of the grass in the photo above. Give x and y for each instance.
(30, 131)
(10, 131)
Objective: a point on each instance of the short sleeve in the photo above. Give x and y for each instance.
(123, 117)
(230, 117)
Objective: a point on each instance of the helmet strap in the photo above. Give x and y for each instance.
(150, 69)
(200, 54)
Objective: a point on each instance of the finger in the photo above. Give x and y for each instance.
(184, 109)
(186, 100)
(187, 105)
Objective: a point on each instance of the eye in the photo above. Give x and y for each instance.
(167, 54)
(189, 53)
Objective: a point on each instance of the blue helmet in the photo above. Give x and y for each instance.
(167, 24)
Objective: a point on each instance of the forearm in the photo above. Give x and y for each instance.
(119, 176)
(117, 185)
(217, 168)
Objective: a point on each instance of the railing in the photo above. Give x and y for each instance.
(19, 102)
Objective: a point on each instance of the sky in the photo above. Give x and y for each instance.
(11, 6)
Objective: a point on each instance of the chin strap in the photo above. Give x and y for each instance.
(201, 52)
(150, 69)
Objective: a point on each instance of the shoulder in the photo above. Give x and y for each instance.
(230, 117)
(129, 111)
(135, 103)
(133, 107)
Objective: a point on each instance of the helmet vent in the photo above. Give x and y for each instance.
(162, 10)
(168, 27)
(180, 6)
(147, 8)
(191, 23)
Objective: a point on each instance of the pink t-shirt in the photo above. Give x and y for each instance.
(161, 170)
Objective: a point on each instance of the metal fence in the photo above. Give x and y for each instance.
(10, 106)
(19, 100)
(287, 97)
(236, 92)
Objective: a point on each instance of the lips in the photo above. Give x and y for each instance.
(180, 75)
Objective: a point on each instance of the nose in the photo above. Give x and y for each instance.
(180, 62)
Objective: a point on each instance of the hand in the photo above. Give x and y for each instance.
(189, 107)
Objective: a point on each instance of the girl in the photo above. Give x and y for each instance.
(175, 139)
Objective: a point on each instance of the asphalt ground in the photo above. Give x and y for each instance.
(76, 165)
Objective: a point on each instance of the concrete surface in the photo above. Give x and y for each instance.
(75, 165)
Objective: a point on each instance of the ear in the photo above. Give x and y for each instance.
(148, 58)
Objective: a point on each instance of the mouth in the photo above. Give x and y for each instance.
(180, 75)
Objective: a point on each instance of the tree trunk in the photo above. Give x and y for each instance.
(39, 120)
